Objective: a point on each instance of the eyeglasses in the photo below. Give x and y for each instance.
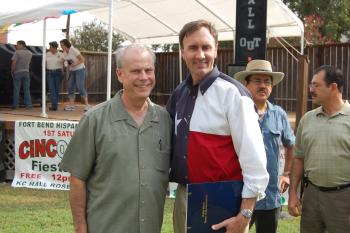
(314, 85)
(267, 82)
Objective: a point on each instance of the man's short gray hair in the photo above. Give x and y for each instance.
(119, 54)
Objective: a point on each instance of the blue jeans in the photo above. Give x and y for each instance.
(21, 77)
(54, 79)
(76, 79)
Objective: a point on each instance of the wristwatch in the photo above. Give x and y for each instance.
(286, 174)
(247, 213)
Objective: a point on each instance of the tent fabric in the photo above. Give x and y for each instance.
(25, 11)
(159, 21)
(154, 21)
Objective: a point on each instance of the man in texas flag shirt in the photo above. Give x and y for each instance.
(217, 135)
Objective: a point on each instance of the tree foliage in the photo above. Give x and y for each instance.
(93, 36)
(325, 20)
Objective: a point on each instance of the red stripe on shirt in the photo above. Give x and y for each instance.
(212, 158)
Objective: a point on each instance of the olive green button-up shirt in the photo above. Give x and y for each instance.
(324, 143)
(125, 167)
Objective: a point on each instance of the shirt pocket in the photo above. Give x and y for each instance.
(272, 142)
(162, 160)
(274, 132)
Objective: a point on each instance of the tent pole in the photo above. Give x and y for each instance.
(234, 46)
(43, 73)
(302, 43)
(109, 61)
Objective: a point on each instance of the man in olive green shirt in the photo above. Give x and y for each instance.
(322, 153)
(119, 155)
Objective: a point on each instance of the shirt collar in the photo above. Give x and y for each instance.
(207, 80)
(345, 110)
(270, 107)
(118, 111)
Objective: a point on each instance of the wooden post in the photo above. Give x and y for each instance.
(67, 27)
(302, 88)
(301, 105)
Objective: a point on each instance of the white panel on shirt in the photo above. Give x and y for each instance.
(222, 110)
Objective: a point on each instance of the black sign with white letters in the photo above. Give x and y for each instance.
(250, 30)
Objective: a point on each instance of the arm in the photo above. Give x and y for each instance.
(81, 60)
(13, 67)
(249, 146)
(284, 178)
(77, 197)
(239, 223)
(294, 205)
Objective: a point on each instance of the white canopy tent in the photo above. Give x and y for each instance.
(159, 21)
(149, 21)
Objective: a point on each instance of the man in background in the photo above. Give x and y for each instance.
(119, 155)
(322, 155)
(259, 80)
(20, 74)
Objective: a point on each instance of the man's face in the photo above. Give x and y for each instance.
(260, 86)
(199, 52)
(319, 90)
(137, 74)
(64, 48)
(53, 49)
(19, 46)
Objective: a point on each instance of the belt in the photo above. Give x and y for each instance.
(329, 189)
(54, 70)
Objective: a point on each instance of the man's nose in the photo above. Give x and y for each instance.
(200, 54)
(143, 75)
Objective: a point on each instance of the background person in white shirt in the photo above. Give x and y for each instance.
(75, 62)
(54, 73)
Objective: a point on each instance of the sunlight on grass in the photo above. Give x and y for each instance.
(42, 211)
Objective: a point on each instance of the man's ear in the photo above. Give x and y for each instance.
(216, 50)
(119, 74)
(334, 86)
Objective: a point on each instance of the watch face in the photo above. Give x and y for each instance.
(247, 213)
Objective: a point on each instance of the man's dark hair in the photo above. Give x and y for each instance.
(193, 26)
(66, 43)
(332, 75)
(21, 42)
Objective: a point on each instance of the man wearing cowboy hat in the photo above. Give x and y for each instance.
(259, 80)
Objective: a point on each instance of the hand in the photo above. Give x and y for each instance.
(294, 205)
(283, 183)
(237, 224)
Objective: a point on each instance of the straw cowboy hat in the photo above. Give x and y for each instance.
(259, 67)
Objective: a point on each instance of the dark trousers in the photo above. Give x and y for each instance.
(266, 221)
(325, 211)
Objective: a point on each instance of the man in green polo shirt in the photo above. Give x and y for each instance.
(322, 153)
(119, 155)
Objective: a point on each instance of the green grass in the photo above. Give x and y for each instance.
(43, 211)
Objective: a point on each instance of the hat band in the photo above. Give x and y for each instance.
(261, 70)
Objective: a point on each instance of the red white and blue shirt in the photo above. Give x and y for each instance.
(217, 135)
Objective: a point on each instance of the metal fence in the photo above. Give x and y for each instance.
(168, 75)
